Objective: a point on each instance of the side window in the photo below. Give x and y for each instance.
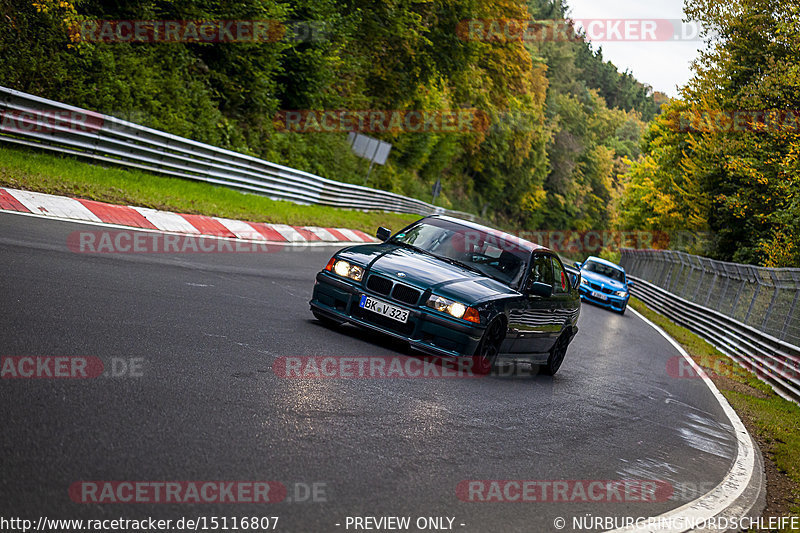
(541, 270)
(561, 283)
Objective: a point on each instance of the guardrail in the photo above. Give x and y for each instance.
(773, 360)
(29, 120)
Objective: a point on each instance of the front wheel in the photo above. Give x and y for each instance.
(557, 353)
(485, 358)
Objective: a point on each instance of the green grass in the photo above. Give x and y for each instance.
(42, 172)
(774, 421)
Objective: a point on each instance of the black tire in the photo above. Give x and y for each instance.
(485, 358)
(622, 311)
(557, 353)
(327, 322)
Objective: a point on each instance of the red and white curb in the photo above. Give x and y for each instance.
(144, 218)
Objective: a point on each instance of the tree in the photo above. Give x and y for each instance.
(727, 159)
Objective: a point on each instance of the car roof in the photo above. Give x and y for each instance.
(604, 262)
(522, 243)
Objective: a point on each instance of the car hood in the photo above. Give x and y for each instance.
(603, 280)
(426, 272)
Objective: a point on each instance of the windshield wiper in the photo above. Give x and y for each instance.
(463, 265)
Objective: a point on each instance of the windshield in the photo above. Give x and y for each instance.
(605, 270)
(489, 253)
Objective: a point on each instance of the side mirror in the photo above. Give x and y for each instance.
(537, 288)
(630, 283)
(577, 265)
(383, 234)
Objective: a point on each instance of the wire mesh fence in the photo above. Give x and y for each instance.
(763, 298)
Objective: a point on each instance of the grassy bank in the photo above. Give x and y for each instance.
(772, 421)
(43, 172)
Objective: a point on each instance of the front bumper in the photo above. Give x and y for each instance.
(616, 303)
(425, 330)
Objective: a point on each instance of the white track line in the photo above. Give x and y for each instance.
(732, 485)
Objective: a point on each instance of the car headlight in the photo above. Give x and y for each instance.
(453, 308)
(345, 269)
(584, 281)
(621, 294)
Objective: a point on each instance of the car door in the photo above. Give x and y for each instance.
(562, 300)
(532, 321)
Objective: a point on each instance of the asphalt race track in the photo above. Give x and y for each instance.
(203, 403)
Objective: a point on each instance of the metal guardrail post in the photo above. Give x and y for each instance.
(753, 301)
(789, 315)
(701, 276)
(664, 269)
(742, 281)
(724, 291)
(711, 285)
(680, 275)
(772, 301)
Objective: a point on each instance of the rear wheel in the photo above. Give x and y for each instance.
(557, 353)
(485, 358)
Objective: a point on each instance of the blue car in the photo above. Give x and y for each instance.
(604, 283)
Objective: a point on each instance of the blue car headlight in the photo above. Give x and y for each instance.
(621, 294)
(584, 281)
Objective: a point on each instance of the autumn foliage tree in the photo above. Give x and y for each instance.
(725, 157)
(561, 119)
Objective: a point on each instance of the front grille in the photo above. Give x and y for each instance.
(404, 293)
(380, 285)
(597, 287)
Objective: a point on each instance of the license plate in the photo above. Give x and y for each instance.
(599, 295)
(383, 308)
